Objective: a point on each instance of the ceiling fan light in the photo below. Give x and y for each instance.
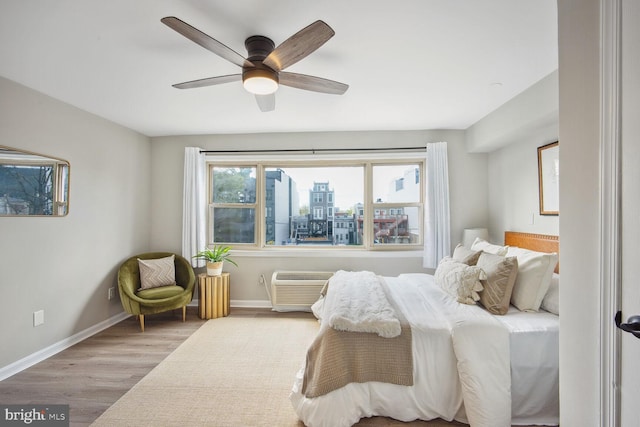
(260, 81)
(260, 85)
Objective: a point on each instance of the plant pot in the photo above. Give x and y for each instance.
(214, 268)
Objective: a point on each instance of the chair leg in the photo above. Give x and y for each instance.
(141, 318)
(184, 313)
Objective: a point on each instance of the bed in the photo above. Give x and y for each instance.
(409, 349)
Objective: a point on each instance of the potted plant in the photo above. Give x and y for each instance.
(215, 258)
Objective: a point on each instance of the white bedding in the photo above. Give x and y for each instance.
(453, 367)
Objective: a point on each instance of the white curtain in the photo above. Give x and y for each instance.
(437, 238)
(194, 233)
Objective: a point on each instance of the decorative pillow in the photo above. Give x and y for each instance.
(534, 277)
(551, 301)
(157, 272)
(465, 256)
(482, 245)
(460, 280)
(501, 275)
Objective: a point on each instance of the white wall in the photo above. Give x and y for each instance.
(64, 266)
(579, 65)
(511, 134)
(513, 187)
(467, 178)
(517, 119)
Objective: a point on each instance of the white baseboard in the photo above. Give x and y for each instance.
(241, 303)
(39, 356)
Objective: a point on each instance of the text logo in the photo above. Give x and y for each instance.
(34, 415)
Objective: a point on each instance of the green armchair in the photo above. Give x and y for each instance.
(155, 300)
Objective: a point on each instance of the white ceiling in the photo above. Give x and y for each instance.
(410, 64)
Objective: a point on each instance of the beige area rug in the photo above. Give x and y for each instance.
(233, 371)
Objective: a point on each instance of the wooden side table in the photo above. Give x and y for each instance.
(213, 298)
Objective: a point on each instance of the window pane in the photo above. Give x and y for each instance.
(396, 183)
(234, 185)
(306, 202)
(234, 225)
(400, 225)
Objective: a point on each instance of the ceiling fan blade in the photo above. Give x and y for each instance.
(316, 84)
(206, 41)
(266, 102)
(209, 81)
(299, 45)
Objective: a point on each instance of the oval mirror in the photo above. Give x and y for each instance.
(32, 184)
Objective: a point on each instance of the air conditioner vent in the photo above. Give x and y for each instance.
(297, 290)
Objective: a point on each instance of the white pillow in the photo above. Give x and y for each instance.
(482, 245)
(459, 280)
(551, 301)
(534, 277)
(465, 256)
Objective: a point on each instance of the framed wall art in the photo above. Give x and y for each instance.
(549, 179)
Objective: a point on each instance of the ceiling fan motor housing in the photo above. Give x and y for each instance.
(258, 48)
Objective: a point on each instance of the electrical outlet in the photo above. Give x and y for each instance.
(38, 317)
(111, 293)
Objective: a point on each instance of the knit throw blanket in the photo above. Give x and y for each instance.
(357, 302)
(358, 353)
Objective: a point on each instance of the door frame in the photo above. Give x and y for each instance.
(610, 210)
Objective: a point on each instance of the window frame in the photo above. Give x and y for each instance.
(263, 162)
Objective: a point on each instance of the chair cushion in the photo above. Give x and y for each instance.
(160, 292)
(157, 272)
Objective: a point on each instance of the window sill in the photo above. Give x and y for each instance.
(308, 253)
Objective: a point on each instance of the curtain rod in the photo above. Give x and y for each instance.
(310, 150)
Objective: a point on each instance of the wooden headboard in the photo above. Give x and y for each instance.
(534, 242)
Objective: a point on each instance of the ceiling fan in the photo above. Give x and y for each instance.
(262, 70)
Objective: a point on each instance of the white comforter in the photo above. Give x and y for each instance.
(461, 367)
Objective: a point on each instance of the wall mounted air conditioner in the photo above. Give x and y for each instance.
(297, 290)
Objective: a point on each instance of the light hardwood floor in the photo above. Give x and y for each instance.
(93, 374)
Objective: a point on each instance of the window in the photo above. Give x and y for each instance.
(233, 204)
(274, 203)
(398, 204)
